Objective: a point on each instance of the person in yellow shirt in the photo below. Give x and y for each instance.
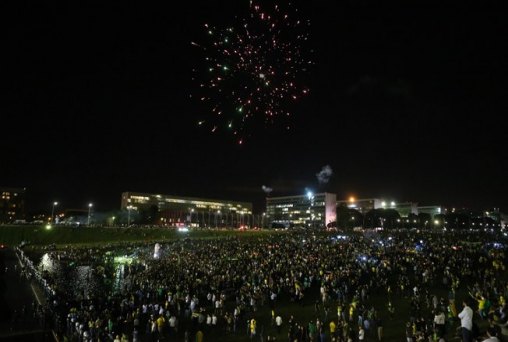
(199, 336)
(481, 304)
(252, 328)
(160, 325)
(333, 328)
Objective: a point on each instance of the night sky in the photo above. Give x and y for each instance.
(408, 102)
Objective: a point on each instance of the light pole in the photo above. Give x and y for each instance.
(129, 207)
(218, 212)
(90, 205)
(53, 211)
(310, 196)
(191, 211)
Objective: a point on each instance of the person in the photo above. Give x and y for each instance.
(278, 322)
(466, 322)
(491, 335)
(503, 324)
(252, 328)
(361, 334)
(333, 327)
(379, 324)
(161, 321)
(199, 336)
(439, 322)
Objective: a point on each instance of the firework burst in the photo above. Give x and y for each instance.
(253, 70)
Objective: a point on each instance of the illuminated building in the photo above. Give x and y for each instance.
(365, 205)
(12, 204)
(187, 211)
(431, 210)
(310, 210)
(362, 205)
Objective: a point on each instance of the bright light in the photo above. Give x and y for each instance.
(383, 204)
(48, 227)
(90, 205)
(351, 199)
(55, 203)
(122, 260)
(183, 229)
(436, 222)
(310, 194)
(392, 204)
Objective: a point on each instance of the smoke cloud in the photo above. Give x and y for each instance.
(266, 189)
(324, 175)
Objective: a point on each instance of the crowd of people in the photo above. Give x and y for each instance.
(292, 286)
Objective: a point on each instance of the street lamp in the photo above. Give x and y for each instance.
(310, 196)
(53, 211)
(90, 205)
(218, 212)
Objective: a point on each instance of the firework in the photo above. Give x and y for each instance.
(253, 70)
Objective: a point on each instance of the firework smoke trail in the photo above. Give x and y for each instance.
(324, 175)
(253, 70)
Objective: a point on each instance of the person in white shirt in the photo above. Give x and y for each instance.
(439, 322)
(492, 335)
(466, 323)
(361, 334)
(278, 322)
(172, 322)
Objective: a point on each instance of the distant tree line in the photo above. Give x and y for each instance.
(348, 218)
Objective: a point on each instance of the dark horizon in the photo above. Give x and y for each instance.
(407, 102)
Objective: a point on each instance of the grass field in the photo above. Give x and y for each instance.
(39, 235)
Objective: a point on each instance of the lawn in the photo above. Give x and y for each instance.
(12, 235)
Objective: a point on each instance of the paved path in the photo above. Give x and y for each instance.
(17, 298)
